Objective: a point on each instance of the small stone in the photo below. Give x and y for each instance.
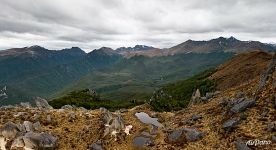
(42, 103)
(28, 126)
(230, 124)
(21, 127)
(61, 110)
(123, 110)
(95, 146)
(36, 117)
(273, 138)
(18, 143)
(48, 119)
(240, 95)
(176, 137)
(37, 126)
(193, 135)
(271, 127)
(103, 110)
(196, 117)
(83, 109)
(241, 146)
(19, 114)
(209, 95)
(71, 116)
(25, 105)
(67, 107)
(242, 106)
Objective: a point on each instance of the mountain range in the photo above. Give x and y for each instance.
(124, 73)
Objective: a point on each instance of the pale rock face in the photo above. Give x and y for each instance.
(18, 143)
(28, 126)
(37, 126)
(2, 143)
(42, 103)
(197, 93)
(127, 129)
(19, 114)
(9, 130)
(39, 140)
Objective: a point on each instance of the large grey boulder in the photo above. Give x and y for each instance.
(230, 124)
(242, 106)
(192, 134)
(95, 146)
(9, 130)
(176, 137)
(180, 136)
(39, 141)
(42, 103)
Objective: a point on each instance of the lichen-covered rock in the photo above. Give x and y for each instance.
(18, 143)
(180, 136)
(28, 126)
(42, 103)
(230, 124)
(9, 130)
(196, 117)
(39, 140)
(25, 105)
(71, 116)
(37, 126)
(67, 107)
(192, 134)
(242, 106)
(95, 146)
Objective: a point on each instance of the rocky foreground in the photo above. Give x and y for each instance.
(240, 117)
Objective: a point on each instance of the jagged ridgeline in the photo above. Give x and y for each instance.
(56, 73)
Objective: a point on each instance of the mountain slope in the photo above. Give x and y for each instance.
(139, 76)
(234, 118)
(247, 66)
(44, 72)
(220, 44)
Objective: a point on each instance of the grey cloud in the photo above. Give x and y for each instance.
(90, 24)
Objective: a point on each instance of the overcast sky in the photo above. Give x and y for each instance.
(90, 24)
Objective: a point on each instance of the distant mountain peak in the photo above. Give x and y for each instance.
(230, 44)
(104, 50)
(74, 51)
(35, 48)
(231, 38)
(135, 48)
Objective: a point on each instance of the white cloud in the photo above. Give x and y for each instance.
(90, 24)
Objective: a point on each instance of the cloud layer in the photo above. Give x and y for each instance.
(91, 24)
